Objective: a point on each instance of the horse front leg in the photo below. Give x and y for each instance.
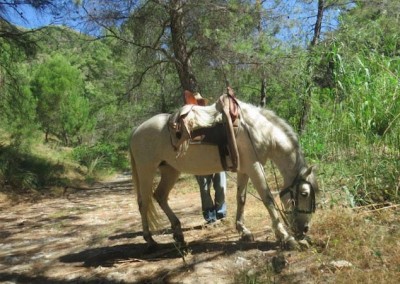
(258, 178)
(245, 234)
(169, 177)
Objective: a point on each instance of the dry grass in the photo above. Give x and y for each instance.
(368, 239)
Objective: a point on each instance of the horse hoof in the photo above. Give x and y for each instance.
(181, 246)
(247, 238)
(151, 247)
(304, 244)
(291, 244)
(178, 238)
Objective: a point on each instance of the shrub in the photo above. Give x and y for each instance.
(21, 170)
(100, 156)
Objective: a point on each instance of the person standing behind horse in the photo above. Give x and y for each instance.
(213, 210)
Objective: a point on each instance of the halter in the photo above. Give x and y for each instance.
(295, 197)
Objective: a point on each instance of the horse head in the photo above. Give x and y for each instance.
(299, 202)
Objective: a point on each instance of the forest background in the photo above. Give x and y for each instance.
(71, 91)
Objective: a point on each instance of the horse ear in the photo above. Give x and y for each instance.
(309, 171)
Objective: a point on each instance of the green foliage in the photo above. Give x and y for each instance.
(355, 126)
(18, 105)
(100, 156)
(369, 88)
(21, 170)
(62, 109)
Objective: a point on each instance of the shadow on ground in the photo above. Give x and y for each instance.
(108, 256)
(93, 235)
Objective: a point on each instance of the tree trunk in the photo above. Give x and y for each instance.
(46, 135)
(263, 93)
(318, 23)
(182, 56)
(306, 104)
(263, 96)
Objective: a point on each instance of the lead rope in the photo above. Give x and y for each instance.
(283, 216)
(280, 209)
(276, 206)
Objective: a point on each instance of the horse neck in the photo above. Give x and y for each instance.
(277, 142)
(289, 160)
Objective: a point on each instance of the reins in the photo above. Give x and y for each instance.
(277, 207)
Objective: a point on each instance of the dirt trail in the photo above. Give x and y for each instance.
(94, 236)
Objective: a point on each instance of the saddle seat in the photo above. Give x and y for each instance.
(216, 124)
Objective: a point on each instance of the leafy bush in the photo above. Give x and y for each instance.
(22, 170)
(100, 156)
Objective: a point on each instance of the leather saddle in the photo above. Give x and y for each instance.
(216, 125)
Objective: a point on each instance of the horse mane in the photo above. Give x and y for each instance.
(282, 124)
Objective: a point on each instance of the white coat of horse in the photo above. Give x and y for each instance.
(262, 135)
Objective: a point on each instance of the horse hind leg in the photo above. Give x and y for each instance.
(143, 186)
(147, 210)
(169, 177)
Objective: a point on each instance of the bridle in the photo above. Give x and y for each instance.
(294, 196)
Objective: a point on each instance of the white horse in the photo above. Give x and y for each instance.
(262, 135)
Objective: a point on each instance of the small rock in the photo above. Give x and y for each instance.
(269, 252)
(241, 261)
(340, 264)
(251, 273)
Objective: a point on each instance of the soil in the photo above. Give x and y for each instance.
(93, 235)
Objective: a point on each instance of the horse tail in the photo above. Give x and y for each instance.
(143, 195)
(135, 178)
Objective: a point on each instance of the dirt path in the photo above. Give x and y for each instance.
(94, 236)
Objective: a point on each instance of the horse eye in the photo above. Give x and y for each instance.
(304, 194)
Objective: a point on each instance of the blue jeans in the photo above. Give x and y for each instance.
(213, 210)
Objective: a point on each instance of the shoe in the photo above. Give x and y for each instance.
(220, 216)
(210, 216)
(221, 212)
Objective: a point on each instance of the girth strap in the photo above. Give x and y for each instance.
(229, 107)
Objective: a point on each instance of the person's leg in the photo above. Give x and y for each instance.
(219, 181)
(207, 204)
